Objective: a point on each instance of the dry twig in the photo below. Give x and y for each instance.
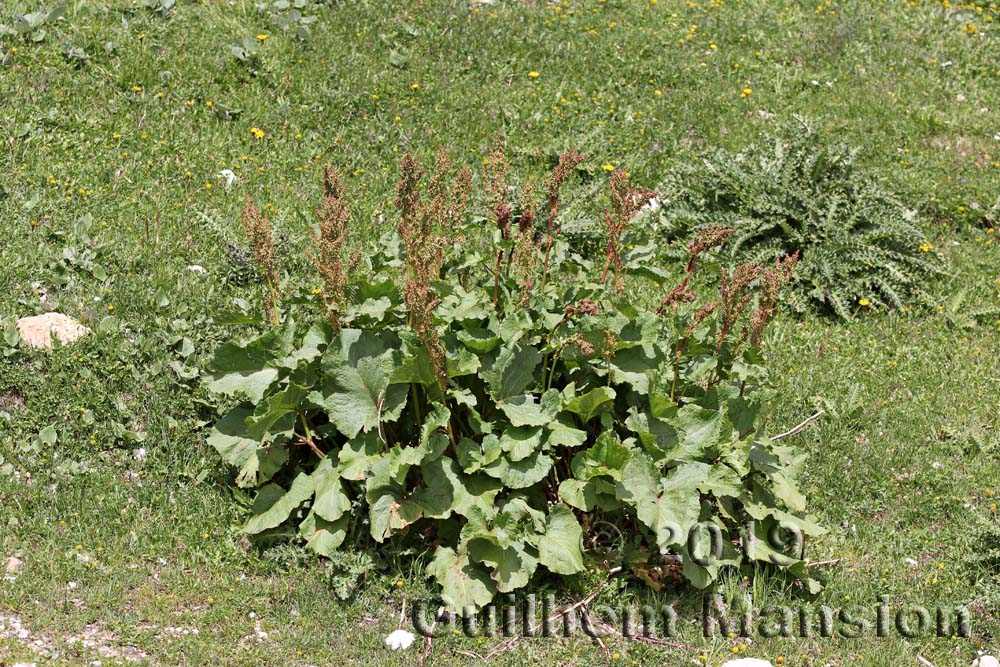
(800, 427)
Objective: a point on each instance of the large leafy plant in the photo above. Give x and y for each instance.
(859, 245)
(496, 400)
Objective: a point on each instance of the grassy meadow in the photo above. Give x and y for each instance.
(116, 119)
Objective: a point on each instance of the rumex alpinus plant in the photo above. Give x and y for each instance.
(498, 406)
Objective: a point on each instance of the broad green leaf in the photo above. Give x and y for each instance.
(463, 305)
(383, 513)
(634, 364)
(787, 492)
(247, 370)
(281, 406)
(373, 308)
(278, 512)
(513, 371)
(513, 565)
(353, 345)
(608, 457)
(597, 493)
(473, 455)
(514, 325)
(48, 436)
(331, 501)
(229, 437)
(313, 343)
(522, 410)
(463, 585)
(520, 474)
(482, 341)
(360, 396)
(322, 536)
(433, 434)
(469, 493)
(702, 567)
(592, 403)
(560, 548)
(358, 455)
(460, 361)
(415, 368)
(720, 481)
(701, 432)
(521, 442)
(659, 438)
(561, 433)
(668, 506)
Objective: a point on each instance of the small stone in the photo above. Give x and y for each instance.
(986, 661)
(37, 331)
(399, 640)
(13, 565)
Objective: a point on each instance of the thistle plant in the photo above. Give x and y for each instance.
(858, 243)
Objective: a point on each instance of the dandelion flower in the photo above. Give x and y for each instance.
(257, 132)
(864, 303)
(608, 167)
(534, 75)
(262, 36)
(137, 88)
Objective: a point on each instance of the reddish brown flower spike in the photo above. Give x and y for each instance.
(257, 229)
(329, 244)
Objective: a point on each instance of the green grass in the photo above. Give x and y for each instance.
(898, 469)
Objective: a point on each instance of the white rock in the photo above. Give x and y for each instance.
(139, 454)
(986, 661)
(401, 639)
(911, 562)
(13, 565)
(37, 331)
(196, 268)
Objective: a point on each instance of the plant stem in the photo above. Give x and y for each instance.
(307, 438)
(677, 366)
(545, 265)
(415, 397)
